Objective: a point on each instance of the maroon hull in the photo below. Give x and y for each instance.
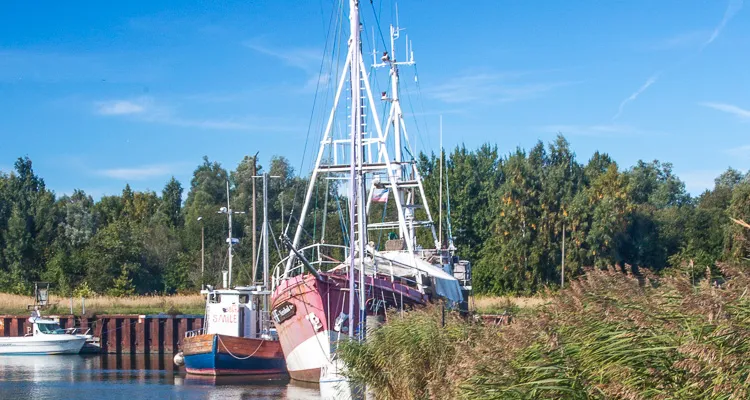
(305, 311)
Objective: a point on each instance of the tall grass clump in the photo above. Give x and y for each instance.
(408, 357)
(610, 335)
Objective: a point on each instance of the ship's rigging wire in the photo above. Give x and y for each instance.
(315, 100)
(377, 22)
(421, 105)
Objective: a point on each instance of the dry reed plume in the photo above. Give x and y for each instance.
(498, 304)
(184, 303)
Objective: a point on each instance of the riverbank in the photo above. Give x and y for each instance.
(12, 304)
(609, 335)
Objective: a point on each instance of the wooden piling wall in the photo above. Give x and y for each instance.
(119, 334)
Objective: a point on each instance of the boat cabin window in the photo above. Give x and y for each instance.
(214, 298)
(52, 329)
(244, 298)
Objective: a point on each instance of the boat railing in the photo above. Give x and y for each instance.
(195, 332)
(77, 331)
(318, 255)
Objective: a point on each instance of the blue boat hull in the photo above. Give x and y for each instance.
(234, 356)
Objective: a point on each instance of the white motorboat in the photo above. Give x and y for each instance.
(47, 337)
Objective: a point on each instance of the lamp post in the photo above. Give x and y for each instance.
(203, 259)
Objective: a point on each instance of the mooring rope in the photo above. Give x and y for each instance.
(234, 356)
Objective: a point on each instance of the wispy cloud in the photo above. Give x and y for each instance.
(602, 130)
(491, 88)
(147, 109)
(121, 107)
(733, 8)
(304, 58)
(138, 173)
(728, 108)
(650, 81)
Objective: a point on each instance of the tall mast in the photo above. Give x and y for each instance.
(266, 285)
(440, 197)
(255, 248)
(229, 239)
(355, 138)
(265, 229)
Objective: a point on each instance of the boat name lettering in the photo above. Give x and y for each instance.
(228, 315)
(283, 312)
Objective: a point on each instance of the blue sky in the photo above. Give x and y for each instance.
(102, 93)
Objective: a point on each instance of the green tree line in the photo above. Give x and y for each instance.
(135, 242)
(508, 216)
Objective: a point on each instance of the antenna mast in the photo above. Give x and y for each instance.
(264, 243)
(409, 179)
(230, 240)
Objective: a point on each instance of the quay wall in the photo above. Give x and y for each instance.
(119, 334)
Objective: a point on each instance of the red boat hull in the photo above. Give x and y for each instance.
(305, 311)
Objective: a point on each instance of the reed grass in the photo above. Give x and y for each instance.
(501, 304)
(11, 304)
(610, 335)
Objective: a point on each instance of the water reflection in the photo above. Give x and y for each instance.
(132, 377)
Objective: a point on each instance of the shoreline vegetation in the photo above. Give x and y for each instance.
(513, 214)
(613, 333)
(12, 304)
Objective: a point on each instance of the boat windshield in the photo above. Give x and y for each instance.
(53, 329)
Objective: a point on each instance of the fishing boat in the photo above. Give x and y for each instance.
(46, 337)
(237, 337)
(324, 293)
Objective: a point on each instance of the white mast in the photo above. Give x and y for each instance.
(264, 249)
(440, 201)
(354, 55)
(230, 240)
(266, 285)
(358, 132)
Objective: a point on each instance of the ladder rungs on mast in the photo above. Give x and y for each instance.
(347, 167)
(400, 184)
(394, 225)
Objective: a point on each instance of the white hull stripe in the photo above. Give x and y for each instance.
(311, 354)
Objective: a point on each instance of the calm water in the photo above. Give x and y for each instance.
(129, 377)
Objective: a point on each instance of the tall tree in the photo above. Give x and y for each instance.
(171, 203)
